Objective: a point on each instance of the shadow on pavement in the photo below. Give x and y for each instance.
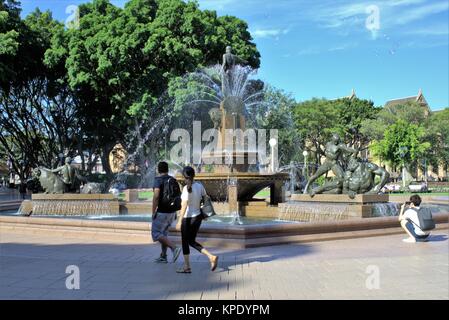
(119, 271)
(438, 237)
(264, 254)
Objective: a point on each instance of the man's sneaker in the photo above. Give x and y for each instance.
(161, 259)
(409, 240)
(176, 253)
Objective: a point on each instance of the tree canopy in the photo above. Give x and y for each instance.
(120, 61)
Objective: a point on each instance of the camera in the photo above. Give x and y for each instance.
(408, 203)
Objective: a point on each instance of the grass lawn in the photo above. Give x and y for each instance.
(143, 195)
(146, 195)
(265, 193)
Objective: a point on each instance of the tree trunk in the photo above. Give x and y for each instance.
(105, 151)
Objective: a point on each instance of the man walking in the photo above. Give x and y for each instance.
(166, 201)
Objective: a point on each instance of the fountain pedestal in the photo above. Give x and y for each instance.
(234, 188)
(362, 206)
(360, 198)
(231, 182)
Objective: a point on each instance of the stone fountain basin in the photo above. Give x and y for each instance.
(221, 236)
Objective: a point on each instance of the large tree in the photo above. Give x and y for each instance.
(352, 113)
(402, 145)
(437, 133)
(37, 112)
(315, 121)
(121, 61)
(276, 112)
(10, 25)
(411, 112)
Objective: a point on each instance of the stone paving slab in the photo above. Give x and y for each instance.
(34, 267)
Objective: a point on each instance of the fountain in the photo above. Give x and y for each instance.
(64, 194)
(232, 182)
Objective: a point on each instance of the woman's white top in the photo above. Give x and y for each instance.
(193, 199)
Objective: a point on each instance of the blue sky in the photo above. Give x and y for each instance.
(383, 49)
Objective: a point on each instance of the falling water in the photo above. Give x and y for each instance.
(312, 212)
(73, 207)
(22, 209)
(212, 91)
(387, 209)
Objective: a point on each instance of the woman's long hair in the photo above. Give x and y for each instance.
(189, 175)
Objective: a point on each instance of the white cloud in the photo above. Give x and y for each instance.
(268, 33)
(396, 3)
(392, 13)
(421, 12)
(432, 30)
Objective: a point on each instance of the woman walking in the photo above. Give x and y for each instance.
(190, 219)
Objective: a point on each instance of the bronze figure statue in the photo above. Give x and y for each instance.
(333, 151)
(216, 116)
(359, 177)
(229, 62)
(65, 179)
(67, 173)
(50, 182)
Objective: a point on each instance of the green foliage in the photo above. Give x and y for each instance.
(351, 115)
(278, 114)
(401, 135)
(315, 122)
(321, 181)
(317, 119)
(10, 26)
(438, 135)
(120, 62)
(411, 112)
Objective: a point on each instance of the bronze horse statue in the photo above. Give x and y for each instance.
(50, 182)
(53, 183)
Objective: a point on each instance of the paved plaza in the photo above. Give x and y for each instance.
(34, 267)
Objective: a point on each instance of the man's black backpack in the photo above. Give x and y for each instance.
(171, 195)
(426, 222)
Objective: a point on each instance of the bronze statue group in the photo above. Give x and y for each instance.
(353, 175)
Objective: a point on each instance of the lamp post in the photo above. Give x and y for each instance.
(425, 172)
(305, 169)
(273, 142)
(402, 152)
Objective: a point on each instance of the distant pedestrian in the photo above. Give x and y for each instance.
(190, 218)
(166, 201)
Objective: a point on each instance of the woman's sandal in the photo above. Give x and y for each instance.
(214, 264)
(182, 270)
